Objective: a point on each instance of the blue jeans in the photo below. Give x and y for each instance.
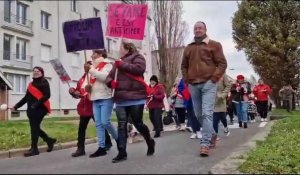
(204, 95)
(192, 119)
(219, 116)
(102, 113)
(242, 111)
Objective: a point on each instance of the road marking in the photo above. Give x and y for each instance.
(262, 124)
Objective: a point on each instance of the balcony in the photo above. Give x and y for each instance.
(12, 60)
(17, 24)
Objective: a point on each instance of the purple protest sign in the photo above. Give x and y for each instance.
(83, 34)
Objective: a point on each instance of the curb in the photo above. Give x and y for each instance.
(4, 154)
(231, 163)
(20, 152)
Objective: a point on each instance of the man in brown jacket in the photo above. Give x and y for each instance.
(202, 66)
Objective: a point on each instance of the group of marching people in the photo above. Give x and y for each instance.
(232, 98)
(202, 91)
(94, 90)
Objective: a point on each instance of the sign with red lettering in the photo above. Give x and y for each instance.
(60, 70)
(127, 20)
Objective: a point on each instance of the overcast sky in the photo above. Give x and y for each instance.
(217, 15)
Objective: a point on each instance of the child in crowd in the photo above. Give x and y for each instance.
(252, 109)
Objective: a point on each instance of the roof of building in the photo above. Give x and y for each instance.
(4, 81)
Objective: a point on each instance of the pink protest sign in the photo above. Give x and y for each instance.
(126, 20)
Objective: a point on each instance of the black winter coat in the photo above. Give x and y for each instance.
(33, 104)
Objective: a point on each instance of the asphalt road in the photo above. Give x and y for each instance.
(175, 153)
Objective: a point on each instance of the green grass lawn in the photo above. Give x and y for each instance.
(280, 152)
(16, 134)
(284, 112)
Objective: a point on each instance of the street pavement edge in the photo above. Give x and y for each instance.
(231, 163)
(20, 152)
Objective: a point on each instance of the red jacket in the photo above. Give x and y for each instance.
(157, 100)
(262, 92)
(85, 105)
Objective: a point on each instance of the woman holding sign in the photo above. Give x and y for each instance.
(37, 99)
(85, 111)
(130, 97)
(101, 97)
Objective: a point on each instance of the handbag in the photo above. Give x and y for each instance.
(168, 119)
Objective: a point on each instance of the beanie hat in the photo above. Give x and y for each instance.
(154, 78)
(240, 77)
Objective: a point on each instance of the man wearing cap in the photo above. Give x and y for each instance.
(240, 92)
(202, 66)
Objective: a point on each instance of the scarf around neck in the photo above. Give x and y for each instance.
(200, 39)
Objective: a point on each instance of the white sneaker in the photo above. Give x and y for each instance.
(266, 119)
(182, 127)
(226, 131)
(189, 129)
(199, 134)
(193, 136)
(262, 120)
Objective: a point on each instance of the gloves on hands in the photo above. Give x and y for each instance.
(118, 63)
(114, 84)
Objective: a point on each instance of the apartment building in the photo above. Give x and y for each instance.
(31, 35)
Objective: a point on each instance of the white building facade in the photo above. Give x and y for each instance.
(31, 35)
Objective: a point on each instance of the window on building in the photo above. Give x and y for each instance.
(21, 48)
(74, 5)
(96, 12)
(15, 114)
(7, 10)
(75, 60)
(18, 81)
(45, 52)
(7, 40)
(45, 18)
(21, 13)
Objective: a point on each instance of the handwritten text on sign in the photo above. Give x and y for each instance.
(127, 20)
(83, 34)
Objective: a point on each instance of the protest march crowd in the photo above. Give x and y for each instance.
(204, 95)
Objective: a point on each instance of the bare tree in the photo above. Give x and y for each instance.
(134, 1)
(170, 32)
